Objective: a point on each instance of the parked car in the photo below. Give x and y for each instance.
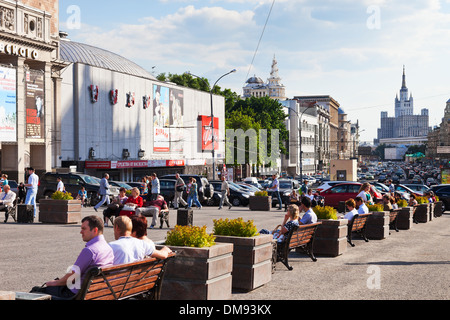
(328, 184)
(237, 196)
(443, 192)
(419, 188)
(167, 190)
(72, 183)
(344, 191)
(120, 184)
(403, 188)
(205, 189)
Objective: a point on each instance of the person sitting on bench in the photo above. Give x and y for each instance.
(152, 209)
(7, 198)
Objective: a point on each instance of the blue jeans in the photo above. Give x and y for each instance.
(193, 198)
(31, 198)
(280, 202)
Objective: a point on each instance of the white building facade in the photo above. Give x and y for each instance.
(116, 117)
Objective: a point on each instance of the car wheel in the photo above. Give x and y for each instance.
(236, 202)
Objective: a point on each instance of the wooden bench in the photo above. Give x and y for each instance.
(141, 280)
(358, 225)
(301, 237)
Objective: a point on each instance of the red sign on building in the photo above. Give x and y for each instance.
(207, 133)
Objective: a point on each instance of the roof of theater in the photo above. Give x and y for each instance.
(76, 52)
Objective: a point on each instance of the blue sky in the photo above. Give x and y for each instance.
(352, 50)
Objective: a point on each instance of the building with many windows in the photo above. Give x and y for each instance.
(405, 126)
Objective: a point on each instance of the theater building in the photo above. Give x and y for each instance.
(29, 62)
(118, 118)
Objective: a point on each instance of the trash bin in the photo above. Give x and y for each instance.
(25, 213)
(185, 217)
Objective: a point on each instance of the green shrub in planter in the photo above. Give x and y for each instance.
(261, 194)
(235, 227)
(325, 213)
(376, 207)
(402, 203)
(190, 236)
(421, 200)
(58, 195)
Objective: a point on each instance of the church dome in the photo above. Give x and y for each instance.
(255, 80)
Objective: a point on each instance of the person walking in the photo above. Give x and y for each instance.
(225, 192)
(193, 193)
(104, 192)
(179, 189)
(32, 189)
(156, 189)
(276, 191)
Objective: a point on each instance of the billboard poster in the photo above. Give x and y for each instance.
(176, 120)
(35, 105)
(8, 105)
(207, 133)
(168, 112)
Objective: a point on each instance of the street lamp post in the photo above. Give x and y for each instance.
(213, 152)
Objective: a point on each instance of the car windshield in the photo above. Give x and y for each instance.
(90, 179)
(285, 185)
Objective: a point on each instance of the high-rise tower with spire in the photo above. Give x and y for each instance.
(405, 105)
(405, 124)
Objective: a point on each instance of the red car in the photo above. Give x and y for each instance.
(345, 191)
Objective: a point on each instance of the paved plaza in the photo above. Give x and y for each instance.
(411, 264)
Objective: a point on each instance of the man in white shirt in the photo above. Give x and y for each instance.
(225, 192)
(126, 248)
(60, 186)
(276, 191)
(32, 188)
(360, 204)
(7, 198)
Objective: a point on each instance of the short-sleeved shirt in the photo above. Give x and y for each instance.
(33, 179)
(363, 209)
(349, 215)
(309, 217)
(275, 185)
(130, 249)
(155, 185)
(96, 253)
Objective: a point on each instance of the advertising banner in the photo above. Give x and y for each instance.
(207, 133)
(168, 111)
(35, 105)
(8, 105)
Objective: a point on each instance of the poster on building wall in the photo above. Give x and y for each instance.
(168, 112)
(8, 105)
(207, 133)
(176, 120)
(35, 105)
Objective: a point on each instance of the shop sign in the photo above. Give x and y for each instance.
(15, 50)
(133, 164)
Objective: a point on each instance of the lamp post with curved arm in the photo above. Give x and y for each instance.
(213, 152)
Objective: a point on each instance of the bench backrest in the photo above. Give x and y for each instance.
(124, 281)
(301, 235)
(359, 221)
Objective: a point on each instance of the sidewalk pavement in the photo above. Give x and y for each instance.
(411, 264)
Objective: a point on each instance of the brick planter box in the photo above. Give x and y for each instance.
(377, 225)
(405, 218)
(422, 214)
(60, 211)
(331, 238)
(438, 209)
(252, 261)
(199, 273)
(260, 203)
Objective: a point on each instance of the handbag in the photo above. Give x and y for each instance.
(180, 188)
(128, 208)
